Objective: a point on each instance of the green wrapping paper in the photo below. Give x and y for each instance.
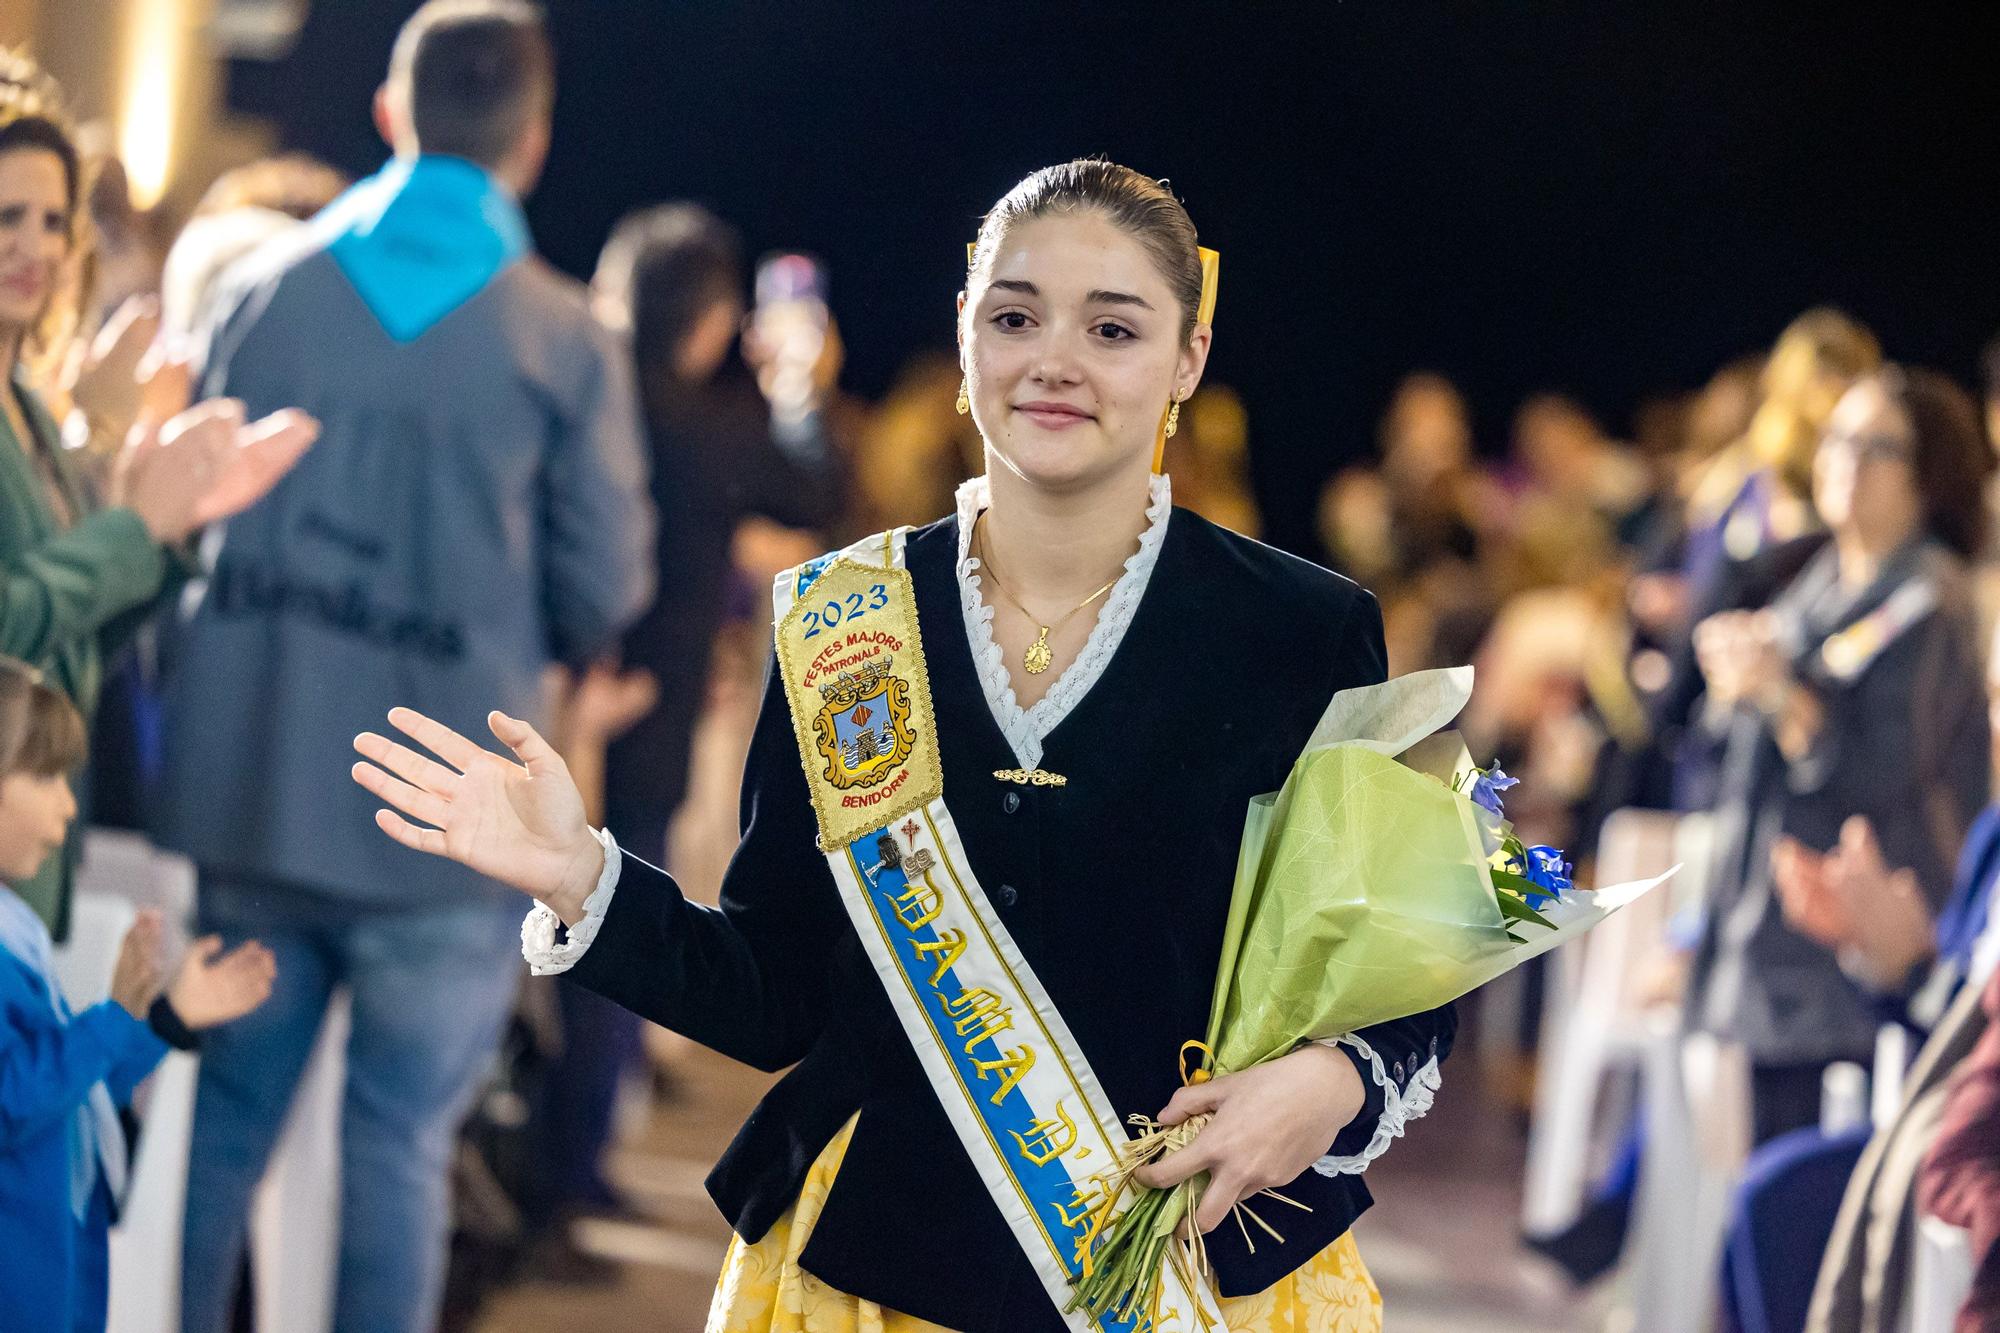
(1367, 901)
(1364, 893)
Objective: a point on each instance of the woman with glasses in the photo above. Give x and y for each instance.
(1856, 693)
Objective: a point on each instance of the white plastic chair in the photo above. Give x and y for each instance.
(1697, 1108)
(146, 1243)
(1594, 1023)
(1940, 1277)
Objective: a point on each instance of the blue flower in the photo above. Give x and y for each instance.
(1548, 869)
(1487, 784)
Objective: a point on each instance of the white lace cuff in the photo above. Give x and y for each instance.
(538, 933)
(1399, 1107)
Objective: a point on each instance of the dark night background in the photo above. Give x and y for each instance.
(1608, 200)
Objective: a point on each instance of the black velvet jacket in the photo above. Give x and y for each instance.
(1115, 887)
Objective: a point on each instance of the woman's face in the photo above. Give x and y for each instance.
(706, 344)
(35, 814)
(1072, 351)
(34, 233)
(1864, 480)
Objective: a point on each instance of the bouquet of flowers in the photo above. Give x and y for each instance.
(1382, 881)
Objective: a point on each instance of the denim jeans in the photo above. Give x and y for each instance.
(432, 990)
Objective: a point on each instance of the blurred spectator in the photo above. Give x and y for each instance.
(1209, 460)
(63, 1160)
(1574, 491)
(242, 210)
(1717, 415)
(1863, 1281)
(1912, 967)
(1410, 528)
(1756, 493)
(125, 250)
(298, 185)
(1646, 627)
(79, 577)
(476, 512)
(914, 449)
(1857, 692)
(261, 199)
(1750, 525)
(1960, 1181)
(674, 276)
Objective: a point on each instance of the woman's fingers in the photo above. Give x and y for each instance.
(1194, 1099)
(526, 743)
(1176, 1166)
(270, 445)
(436, 737)
(407, 764)
(209, 421)
(416, 839)
(1223, 1193)
(414, 801)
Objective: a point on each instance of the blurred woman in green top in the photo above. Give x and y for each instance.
(73, 573)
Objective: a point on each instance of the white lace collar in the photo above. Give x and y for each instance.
(1026, 729)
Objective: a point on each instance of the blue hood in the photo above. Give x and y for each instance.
(423, 236)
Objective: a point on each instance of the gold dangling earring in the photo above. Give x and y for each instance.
(1173, 418)
(964, 403)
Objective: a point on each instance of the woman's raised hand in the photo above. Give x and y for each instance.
(521, 823)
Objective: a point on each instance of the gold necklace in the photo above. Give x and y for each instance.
(1039, 655)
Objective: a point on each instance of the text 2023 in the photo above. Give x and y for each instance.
(856, 606)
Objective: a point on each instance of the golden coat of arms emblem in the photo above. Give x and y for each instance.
(852, 662)
(864, 726)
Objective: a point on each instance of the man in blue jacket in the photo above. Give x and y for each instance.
(475, 511)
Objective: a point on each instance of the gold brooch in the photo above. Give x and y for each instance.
(1031, 777)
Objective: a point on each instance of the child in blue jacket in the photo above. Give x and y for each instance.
(63, 1074)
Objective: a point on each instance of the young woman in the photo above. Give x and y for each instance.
(71, 570)
(1111, 680)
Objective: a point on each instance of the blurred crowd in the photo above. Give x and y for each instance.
(1765, 606)
(1767, 617)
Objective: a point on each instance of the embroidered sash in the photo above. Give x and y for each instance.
(1003, 1063)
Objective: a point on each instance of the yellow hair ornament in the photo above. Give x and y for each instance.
(1211, 268)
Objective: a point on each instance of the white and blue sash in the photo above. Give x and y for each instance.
(1003, 1063)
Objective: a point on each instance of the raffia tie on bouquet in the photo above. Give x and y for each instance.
(1159, 1226)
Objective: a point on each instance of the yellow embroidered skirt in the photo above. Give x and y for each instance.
(763, 1289)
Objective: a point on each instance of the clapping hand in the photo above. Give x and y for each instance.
(520, 821)
(136, 977)
(1852, 902)
(605, 702)
(125, 375)
(213, 987)
(205, 464)
(1806, 892)
(1739, 656)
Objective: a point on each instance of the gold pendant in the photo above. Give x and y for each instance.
(1039, 655)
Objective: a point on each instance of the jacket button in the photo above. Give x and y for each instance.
(1011, 802)
(1007, 896)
